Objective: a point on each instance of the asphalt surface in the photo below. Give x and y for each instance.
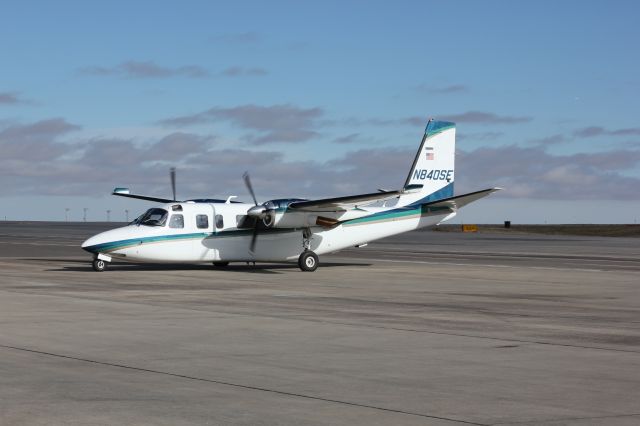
(427, 328)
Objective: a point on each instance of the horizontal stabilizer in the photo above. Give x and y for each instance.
(461, 200)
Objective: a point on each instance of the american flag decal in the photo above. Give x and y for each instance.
(429, 153)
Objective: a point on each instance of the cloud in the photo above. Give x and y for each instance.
(549, 140)
(237, 71)
(444, 90)
(35, 161)
(351, 138)
(472, 117)
(173, 148)
(11, 98)
(35, 141)
(102, 151)
(32, 149)
(147, 69)
(479, 136)
(534, 173)
(480, 117)
(179, 145)
(592, 131)
(376, 121)
(275, 123)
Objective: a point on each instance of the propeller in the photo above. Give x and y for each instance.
(247, 182)
(259, 212)
(255, 211)
(172, 174)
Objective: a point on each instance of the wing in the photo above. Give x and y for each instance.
(124, 192)
(342, 203)
(461, 200)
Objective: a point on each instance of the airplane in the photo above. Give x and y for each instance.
(284, 230)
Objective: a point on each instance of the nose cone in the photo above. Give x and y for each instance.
(106, 241)
(92, 244)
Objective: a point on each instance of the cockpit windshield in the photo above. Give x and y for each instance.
(153, 217)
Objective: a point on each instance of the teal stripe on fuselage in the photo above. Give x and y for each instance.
(120, 244)
(116, 245)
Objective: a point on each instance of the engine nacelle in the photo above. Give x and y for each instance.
(275, 216)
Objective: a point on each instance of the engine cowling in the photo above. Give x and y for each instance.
(274, 214)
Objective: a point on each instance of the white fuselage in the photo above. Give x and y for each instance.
(219, 239)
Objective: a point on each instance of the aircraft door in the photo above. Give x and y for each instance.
(202, 219)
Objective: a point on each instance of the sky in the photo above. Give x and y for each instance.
(319, 99)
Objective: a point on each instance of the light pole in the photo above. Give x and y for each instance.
(66, 214)
(84, 214)
(108, 215)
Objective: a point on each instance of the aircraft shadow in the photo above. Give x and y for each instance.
(259, 268)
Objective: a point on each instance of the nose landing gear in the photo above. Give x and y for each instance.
(99, 265)
(100, 262)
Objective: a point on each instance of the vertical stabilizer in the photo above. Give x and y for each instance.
(433, 171)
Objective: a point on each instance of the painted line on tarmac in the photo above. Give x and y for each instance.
(518, 255)
(426, 262)
(40, 244)
(237, 385)
(561, 420)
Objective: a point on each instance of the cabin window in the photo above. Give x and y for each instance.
(153, 217)
(202, 221)
(177, 221)
(219, 221)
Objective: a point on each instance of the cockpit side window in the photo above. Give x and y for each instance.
(153, 217)
(177, 221)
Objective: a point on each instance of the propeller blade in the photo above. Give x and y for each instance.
(247, 182)
(254, 238)
(172, 173)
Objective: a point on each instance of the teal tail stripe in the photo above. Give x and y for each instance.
(444, 192)
(435, 127)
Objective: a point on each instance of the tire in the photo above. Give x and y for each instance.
(99, 265)
(220, 264)
(308, 261)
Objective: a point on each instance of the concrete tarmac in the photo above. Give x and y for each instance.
(426, 328)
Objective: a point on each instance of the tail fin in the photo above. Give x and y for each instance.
(432, 173)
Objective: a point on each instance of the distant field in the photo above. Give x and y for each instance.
(589, 230)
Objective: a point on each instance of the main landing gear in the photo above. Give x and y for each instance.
(220, 264)
(308, 261)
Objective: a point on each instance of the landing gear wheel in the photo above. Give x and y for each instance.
(308, 261)
(220, 264)
(99, 265)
